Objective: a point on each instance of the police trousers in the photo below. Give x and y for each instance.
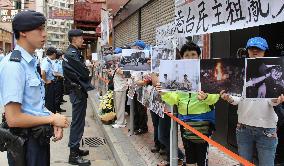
(36, 154)
(59, 90)
(50, 97)
(79, 106)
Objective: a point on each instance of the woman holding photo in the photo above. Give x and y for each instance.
(256, 118)
(194, 109)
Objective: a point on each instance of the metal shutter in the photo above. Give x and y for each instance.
(127, 31)
(153, 15)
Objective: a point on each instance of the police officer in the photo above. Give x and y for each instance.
(49, 79)
(76, 75)
(58, 74)
(22, 92)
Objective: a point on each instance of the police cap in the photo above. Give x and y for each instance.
(51, 51)
(75, 32)
(27, 20)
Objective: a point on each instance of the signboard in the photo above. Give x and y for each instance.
(7, 15)
(104, 27)
(201, 17)
(86, 11)
(61, 14)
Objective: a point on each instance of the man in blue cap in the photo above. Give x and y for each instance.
(117, 50)
(256, 129)
(140, 115)
(139, 44)
(76, 76)
(22, 94)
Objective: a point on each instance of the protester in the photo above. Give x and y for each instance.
(256, 128)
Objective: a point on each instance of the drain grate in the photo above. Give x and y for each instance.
(93, 141)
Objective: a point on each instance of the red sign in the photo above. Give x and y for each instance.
(86, 11)
(61, 14)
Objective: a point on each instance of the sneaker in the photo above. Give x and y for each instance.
(116, 126)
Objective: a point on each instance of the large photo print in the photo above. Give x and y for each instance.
(183, 75)
(264, 77)
(222, 74)
(136, 60)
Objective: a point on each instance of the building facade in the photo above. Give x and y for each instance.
(59, 22)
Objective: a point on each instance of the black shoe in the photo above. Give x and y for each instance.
(155, 149)
(75, 159)
(140, 131)
(162, 152)
(83, 152)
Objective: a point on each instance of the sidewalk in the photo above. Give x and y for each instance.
(100, 155)
(135, 150)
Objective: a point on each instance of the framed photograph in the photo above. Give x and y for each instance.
(183, 75)
(264, 77)
(161, 54)
(136, 60)
(157, 105)
(222, 74)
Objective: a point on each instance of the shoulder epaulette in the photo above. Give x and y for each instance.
(16, 56)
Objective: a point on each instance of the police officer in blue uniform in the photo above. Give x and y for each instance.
(49, 79)
(22, 92)
(58, 74)
(76, 76)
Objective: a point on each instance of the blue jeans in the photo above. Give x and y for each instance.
(264, 139)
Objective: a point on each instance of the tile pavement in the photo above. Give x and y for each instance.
(143, 143)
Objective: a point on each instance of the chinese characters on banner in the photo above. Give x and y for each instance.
(165, 36)
(201, 17)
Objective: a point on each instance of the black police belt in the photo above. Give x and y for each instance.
(14, 138)
(59, 78)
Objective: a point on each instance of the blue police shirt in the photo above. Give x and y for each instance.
(58, 67)
(47, 66)
(21, 83)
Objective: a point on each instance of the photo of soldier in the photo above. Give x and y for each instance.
(133, 59)
(186, 84)
(187, 80)
(218, 74)
(264, 77)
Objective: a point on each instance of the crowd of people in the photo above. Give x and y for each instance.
(32, 94)
(197, 110)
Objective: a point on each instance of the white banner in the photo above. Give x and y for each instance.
(165, 36)
(201, 17)
(104, 28)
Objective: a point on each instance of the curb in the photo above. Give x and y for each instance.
(124, 152)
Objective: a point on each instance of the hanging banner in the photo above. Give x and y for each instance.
(61, 14)
(194, 17)
(105, 27)
(7, 15)
(165, 35)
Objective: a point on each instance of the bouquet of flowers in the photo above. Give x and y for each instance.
(107, 114)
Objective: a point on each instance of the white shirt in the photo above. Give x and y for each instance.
(119, 82)
(256, 112)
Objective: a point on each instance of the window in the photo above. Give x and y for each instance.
(62, 4)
